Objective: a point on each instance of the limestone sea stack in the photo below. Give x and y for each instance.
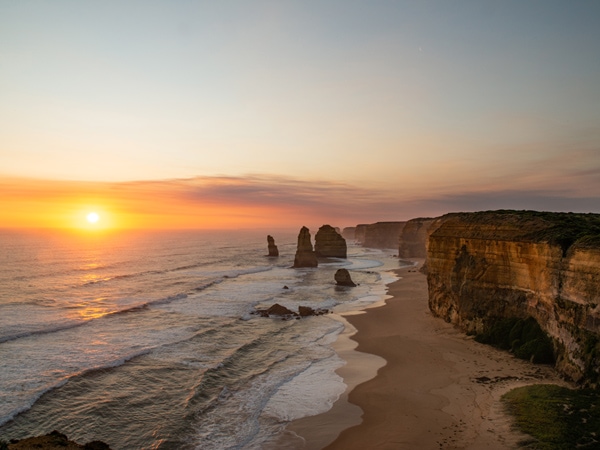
(342, 278)
(305, 255)
(273, 251)
(329, 243)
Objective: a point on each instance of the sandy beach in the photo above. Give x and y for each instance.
(438, 389)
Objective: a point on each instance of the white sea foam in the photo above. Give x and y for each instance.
(312, 391)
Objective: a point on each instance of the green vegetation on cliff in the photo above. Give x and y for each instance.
(557, 418)
(523, 337)
(564, 229)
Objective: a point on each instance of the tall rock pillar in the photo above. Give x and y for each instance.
(305, 256)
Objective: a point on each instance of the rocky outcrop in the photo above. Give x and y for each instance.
(54, 441)
(349, 233)
(489, 266)
(342, 278)
(413, 238)
(329, 243)
(359, 232)
(280, 311)
(273, 251)
(305, 255)
(383, 234)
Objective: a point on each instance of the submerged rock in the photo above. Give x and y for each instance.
(329, 243)
(273, 251)
(305, 255)
(342, 278)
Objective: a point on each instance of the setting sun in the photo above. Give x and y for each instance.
(93, 217)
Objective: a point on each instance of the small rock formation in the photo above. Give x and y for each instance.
(329, 243)
(306, 311)
(305, 255)
(278, 310)
(342, 278)
(54, 441)
(273, 251)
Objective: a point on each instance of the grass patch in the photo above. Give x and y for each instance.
(556, 417)
(523, 337)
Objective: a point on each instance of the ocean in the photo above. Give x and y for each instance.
(148, 341)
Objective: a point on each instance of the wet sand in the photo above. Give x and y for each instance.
(438, 389)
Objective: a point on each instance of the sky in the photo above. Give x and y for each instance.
(203, 114)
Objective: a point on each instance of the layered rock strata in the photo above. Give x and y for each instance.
(413, 238)
(272, 248)
(305, 255)
(329, 243)
(382, 234)
(484, 267)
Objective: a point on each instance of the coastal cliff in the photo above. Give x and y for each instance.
(359, 232)
(489, 266)
(382, 234)
(413, 238)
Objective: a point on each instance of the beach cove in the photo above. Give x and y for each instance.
(438, 388)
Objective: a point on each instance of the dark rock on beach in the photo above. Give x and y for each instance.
(342, 278)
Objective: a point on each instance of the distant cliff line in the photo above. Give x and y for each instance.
(487, 268)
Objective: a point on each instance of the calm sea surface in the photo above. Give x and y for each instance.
(146, 341)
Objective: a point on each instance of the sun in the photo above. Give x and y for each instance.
(93, 217)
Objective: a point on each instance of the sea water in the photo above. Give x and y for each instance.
(147, 340)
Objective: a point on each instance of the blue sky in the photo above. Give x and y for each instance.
(456, 103)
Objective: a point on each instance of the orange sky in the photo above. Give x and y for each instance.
(201, 203)
(255, 114)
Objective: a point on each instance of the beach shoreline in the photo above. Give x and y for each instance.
(437, 388)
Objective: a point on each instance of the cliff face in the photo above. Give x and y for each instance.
(359, 232)
(349, 232)
(483, 267)
(382, 234)
(413, 238)
(329, 243)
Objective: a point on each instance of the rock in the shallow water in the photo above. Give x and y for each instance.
(55, 441)
(279, 310)
(305, 255)
(306, 311)
(329, 243)
(273, 251)
(342, 278)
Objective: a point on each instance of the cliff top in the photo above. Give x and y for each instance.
(563, 229)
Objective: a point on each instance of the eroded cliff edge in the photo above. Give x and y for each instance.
(488, 266)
